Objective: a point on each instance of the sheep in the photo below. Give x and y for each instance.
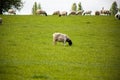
(80, 12)
(60, 37)
(63, 13)
(39, 11)
(0, 20)
(97, 13)
(72, 13)
(11, 11)
(117, 16)
(105, 12)
(87, 12)
(56, 13)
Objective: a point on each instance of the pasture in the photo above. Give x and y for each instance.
(27, 51)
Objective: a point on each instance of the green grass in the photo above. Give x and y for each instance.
(27, 51)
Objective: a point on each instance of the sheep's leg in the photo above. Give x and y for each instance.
(54, 41)
(64, 42)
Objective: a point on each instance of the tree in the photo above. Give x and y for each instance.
(114, 8)
(39, 6)
(79, 6)
(35, 7)
(119, 9)
(5, 5)
(74, 7)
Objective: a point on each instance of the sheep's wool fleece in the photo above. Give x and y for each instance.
(59, 36)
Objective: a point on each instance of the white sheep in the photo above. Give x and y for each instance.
(11, 11)
(39, 11)
(63, 13)
(56, 13)
(0, 20)
(80, 12)
(87, 12)
(60, 37)
(117, 16)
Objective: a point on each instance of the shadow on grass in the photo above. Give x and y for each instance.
(40, 76)
(12, 43)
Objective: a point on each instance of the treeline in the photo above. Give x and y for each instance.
(73, 8)
(78, 7)
(5, 5)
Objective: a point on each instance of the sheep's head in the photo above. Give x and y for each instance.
(69, 42)
(117, 16)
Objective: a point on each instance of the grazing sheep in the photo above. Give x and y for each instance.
(56, 13)
(11, 11)
(39, 11)
(87, 12)
(0, 20)
(97, 13)
(117, 16)
(105, 12)
(80, 12)
(59, 37)
(64, 13)
(72, 13)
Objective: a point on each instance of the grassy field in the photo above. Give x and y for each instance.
(27, 51)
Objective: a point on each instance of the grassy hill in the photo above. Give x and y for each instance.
(27, 51)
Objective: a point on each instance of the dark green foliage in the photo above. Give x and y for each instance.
(79, 6)
(7, 4)
(39, 6)
(74, 7)
(114, 8)
(35, 7)
(119, 9)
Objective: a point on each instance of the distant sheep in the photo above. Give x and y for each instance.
(80, 12)
(64, 13)
(72, 13)
(87, 12)
(0, 20)
(117, 16)
(105, 12)
(97, 13)
(11, 11)
(56, 13)
(60, 37)
(39, 11)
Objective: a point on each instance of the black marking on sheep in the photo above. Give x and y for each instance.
(69, 42)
